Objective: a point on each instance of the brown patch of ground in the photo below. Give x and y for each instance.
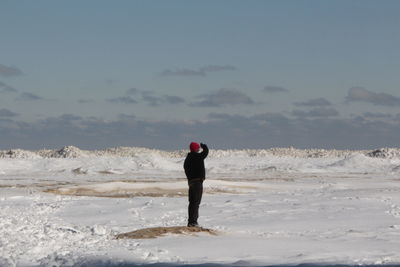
(143, 192)
(6, 186)
(26, 185)
(258, 179)
(34, 185)
(147, 192)
(155, 232)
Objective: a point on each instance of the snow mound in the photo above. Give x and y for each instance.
(138, 152)
(353, 160)
(161, 231)
(362, 163)
(385, 153)
(65, 152)
(18, 154)
(133, 152)
(284, 152)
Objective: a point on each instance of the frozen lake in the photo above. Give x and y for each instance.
(270, 207)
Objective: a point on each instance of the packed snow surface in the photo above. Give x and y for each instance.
(276, 206)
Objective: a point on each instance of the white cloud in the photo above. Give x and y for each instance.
(219, 130)
(275, 89)
(26, 96)
(123, 100)
(8, 71)
(223, 97)
(316, 102)
(360, 94)
(202, 72)
(6, 113)
(316, 112)
(5, 88)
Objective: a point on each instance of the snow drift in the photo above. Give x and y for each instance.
(133, 162)
(75, 152)
(280, 206)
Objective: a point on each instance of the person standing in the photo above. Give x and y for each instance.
(196, 174)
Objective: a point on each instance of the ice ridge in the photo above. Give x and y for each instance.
(75, 152)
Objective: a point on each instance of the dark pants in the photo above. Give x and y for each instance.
(195, 194)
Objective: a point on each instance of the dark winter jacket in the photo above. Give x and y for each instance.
(194, 164)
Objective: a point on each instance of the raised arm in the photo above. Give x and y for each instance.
(204, 153)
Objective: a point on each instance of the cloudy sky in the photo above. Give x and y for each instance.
(233, 74)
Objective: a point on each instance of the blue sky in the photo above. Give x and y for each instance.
(234, 74)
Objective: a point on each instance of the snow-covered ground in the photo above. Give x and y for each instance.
(270, 207)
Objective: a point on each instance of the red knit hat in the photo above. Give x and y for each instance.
(194, 147)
